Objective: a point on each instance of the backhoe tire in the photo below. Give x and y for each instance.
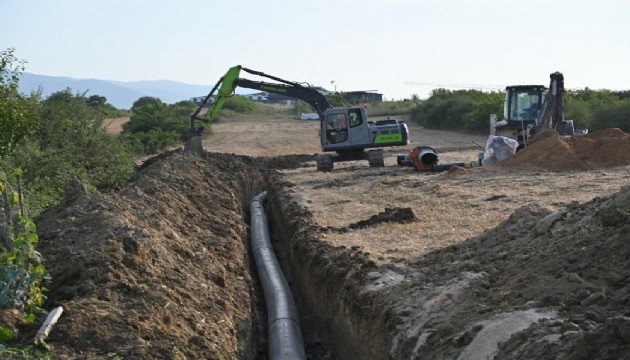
(324, 162)
(376, 158)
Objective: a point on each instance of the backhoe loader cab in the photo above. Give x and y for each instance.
(530, 109)
(522, 104)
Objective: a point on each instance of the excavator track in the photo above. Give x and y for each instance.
(376, 158)
(324, 162)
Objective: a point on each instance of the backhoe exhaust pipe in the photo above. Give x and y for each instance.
(283, 325)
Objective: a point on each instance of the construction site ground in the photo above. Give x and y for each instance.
(528, 259)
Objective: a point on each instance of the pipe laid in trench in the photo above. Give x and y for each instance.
(283, 325)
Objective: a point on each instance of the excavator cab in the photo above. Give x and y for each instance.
(523, 104)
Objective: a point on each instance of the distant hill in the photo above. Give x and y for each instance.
(118, 93)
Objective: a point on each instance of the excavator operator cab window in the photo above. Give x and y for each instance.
(524, 104)
(336, 128)
(355, 117)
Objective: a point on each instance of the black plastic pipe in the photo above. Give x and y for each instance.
(283, 325)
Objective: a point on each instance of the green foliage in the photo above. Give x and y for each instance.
(152, 141)
(447, 109)
(69, 142)
(239, 104)
(6, 334)
(598, 110)
(143, 101)
(29, 352)
(622, 95)
(156, 126)
(22, 275)
(489, 103)
(336, 100)
(18, 113)
(616, 115)
(391, 107)
(96, 101)
(470, 109)
(302, 107)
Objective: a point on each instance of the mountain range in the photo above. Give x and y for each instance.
(118, 93)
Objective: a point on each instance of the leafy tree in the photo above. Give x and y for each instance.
(156, 126)
(616, 115)
(580, 111)
(622, 95)
(302, 107)
(239, 104)
(70, 142)
(336, 100)
(18, 113)
(22, 276)
(479, 116)
(96, 101)
(143, 101)
(597, 109)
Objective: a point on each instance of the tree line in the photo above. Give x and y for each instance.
(471, 109)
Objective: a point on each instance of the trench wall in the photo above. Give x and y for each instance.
(327, 283)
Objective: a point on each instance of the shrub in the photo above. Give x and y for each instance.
(69, 142)
(155, 126)
(239, 104)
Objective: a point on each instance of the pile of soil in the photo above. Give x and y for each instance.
(542, 285)
(549, 152)
(389, 215)
(158, 269)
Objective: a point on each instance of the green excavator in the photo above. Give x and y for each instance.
(346, 133)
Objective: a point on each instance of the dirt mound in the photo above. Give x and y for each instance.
(457, 171)
(605, 134)
(541, 285)
(606, 148)
(548, 152)
(156, 270)
(395, 215)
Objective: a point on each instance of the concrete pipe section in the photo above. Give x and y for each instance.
(283, 325)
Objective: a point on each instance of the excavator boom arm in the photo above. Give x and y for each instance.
(231, 80)
(306, 94)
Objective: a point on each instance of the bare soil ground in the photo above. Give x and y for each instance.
(512, 261)
(114, 126)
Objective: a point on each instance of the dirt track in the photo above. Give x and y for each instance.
(466, 259)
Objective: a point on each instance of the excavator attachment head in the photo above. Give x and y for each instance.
(193, 142)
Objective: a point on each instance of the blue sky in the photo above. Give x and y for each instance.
(360, 44)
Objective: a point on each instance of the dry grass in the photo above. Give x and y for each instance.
(114, 126)
(450, 207)
(266, 137)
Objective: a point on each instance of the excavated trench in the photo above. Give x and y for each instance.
(162, 268)
(324, 280)
(337, 319)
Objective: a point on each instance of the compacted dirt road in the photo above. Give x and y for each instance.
(528, 259)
